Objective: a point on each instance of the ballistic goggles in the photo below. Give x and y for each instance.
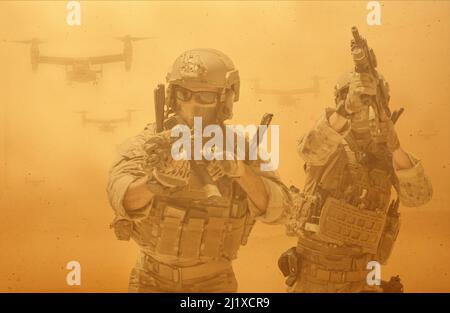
(202, 97)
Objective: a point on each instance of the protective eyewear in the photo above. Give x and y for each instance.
(203, 97)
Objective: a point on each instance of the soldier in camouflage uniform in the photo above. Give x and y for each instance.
(189, 218)
(345, 217)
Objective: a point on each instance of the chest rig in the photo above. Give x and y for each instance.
(351, 200)
(191, 225)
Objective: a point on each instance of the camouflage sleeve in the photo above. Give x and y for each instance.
(415, 186)
(127, 168)
(279, 198)
(317, 145)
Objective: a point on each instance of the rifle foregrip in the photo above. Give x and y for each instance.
(159, 99)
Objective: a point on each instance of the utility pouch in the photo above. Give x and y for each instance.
(288, 264)
(388, 238)
(122, 229)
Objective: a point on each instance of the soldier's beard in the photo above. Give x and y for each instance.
(208, 114)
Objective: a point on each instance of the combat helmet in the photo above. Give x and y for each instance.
(204, 68)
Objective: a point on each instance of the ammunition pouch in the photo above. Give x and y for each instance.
(388, 238)
(288, 263)
(191, 233)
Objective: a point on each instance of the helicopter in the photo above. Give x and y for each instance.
(426, 135)
(288, 97)
(106, 125)
(81, 69)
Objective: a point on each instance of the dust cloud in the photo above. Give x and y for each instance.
(54, 170)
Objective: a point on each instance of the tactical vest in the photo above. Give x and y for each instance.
(351, 205)
(188, 226)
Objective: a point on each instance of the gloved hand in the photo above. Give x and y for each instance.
(232, 168)
(385, 133)
(158, 150)
(161, 165)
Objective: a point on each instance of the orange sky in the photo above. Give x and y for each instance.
(54, 171)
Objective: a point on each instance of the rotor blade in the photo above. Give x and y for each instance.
(19, 41)
(140, 38)
(103, 59)
(83, 113)
(125, 38)
(60, 60)
(30, 41)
